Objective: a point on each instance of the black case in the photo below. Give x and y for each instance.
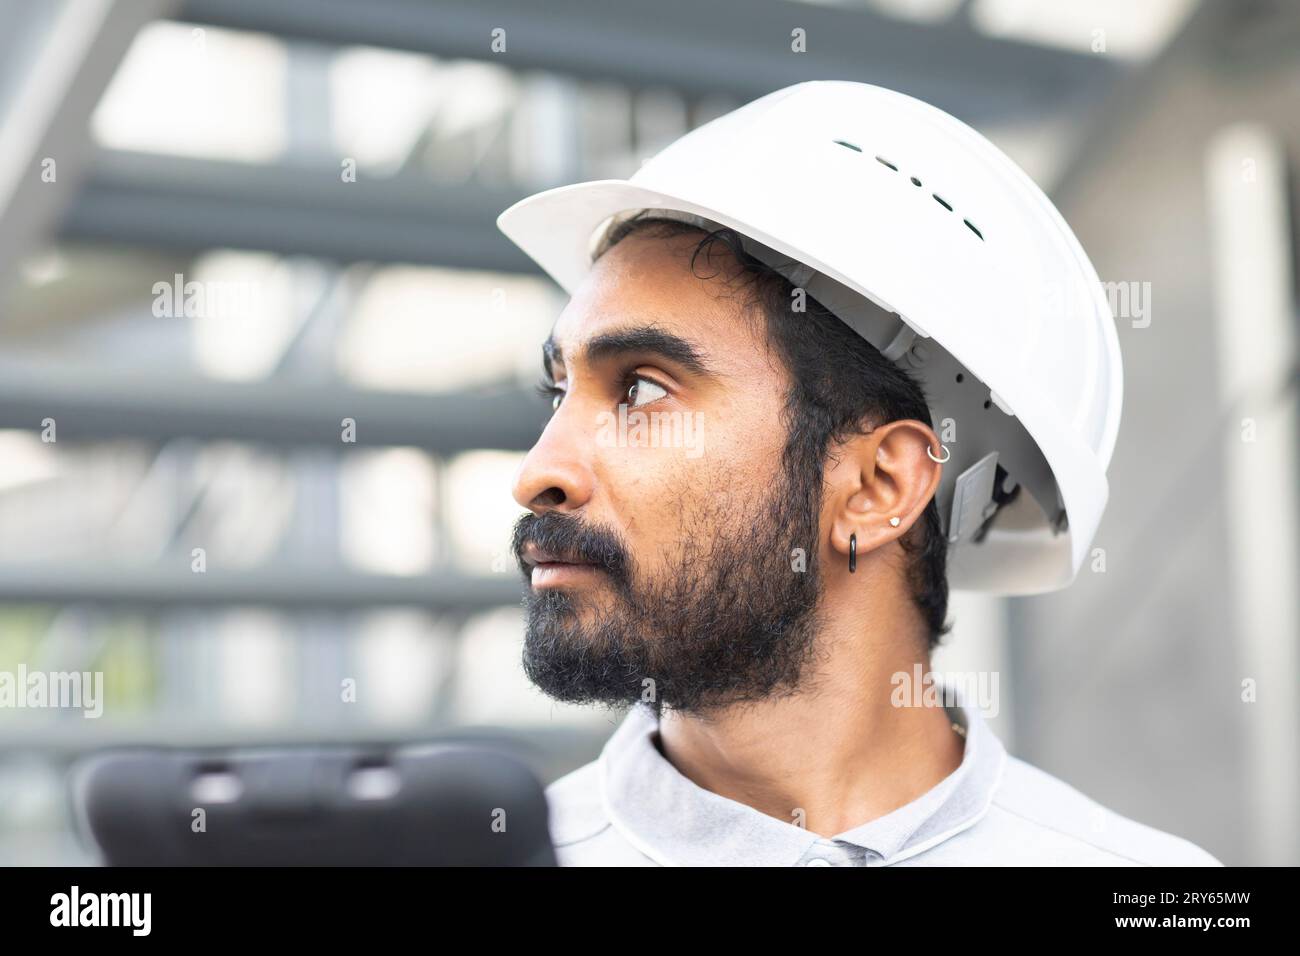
(431, 805)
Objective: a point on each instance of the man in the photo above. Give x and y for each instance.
(739, 522)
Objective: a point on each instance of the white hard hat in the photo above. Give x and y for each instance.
(939, 250)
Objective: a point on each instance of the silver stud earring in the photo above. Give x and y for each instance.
(895, 521)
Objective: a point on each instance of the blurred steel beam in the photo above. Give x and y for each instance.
(1226, 36)
(55, 60)
(739, 47)
(189, 204)
(1255, 318)
(90, 405)
(283, 587)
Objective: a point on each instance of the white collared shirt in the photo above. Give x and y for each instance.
(632, 807)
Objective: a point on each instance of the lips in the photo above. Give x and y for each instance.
(534, 557)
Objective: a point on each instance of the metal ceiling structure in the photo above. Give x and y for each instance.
(736, 47)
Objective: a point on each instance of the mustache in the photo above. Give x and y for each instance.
(568, 536)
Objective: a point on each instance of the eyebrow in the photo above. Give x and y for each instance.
(642, 338)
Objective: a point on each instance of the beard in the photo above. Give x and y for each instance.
(731, 620)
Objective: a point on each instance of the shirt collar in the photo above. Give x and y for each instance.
(674, 821)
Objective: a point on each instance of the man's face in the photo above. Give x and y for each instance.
(661, 544)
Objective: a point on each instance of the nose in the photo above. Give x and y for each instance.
(556, 474)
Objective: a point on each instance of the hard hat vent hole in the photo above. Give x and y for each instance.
(917, 183)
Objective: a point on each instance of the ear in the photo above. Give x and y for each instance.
(883, 474)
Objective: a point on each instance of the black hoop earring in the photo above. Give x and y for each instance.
(853, 552)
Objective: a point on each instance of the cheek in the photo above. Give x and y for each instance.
(658, 495)
(646, 489)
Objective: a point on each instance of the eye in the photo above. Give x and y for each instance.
(551, 391)
(642, 391)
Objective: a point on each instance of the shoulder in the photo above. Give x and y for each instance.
(1045, 820)
(580, 826)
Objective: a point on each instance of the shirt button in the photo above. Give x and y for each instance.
(818, 861)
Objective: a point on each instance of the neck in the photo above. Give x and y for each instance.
(837, 749)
